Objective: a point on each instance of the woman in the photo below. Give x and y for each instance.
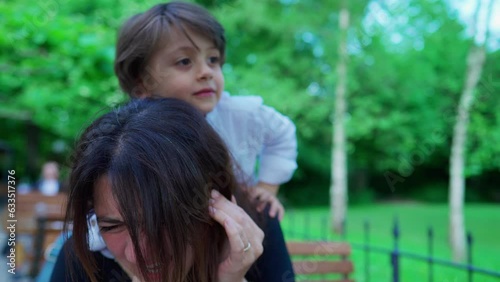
(159, 180)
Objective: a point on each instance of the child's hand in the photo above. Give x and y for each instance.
(264, 198)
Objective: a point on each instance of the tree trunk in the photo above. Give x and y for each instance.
(338, 187)
(457, 179)
(475, 62)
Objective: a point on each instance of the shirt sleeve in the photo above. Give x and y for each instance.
(278, 159)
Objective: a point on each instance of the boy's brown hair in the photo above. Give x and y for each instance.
(144, 34)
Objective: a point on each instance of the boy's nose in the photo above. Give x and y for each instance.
(205, 72)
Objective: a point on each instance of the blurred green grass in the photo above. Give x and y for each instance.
(482, 220)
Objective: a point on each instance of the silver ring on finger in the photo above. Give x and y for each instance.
(249, 245)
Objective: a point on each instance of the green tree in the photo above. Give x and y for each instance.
(405, 76)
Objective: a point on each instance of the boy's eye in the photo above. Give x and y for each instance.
(184, 62)
(214, 60)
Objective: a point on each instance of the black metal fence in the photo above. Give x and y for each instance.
(300, 228)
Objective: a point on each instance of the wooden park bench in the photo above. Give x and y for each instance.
(41, 218)
(313, 260)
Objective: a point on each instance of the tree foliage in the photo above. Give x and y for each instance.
(406, 72)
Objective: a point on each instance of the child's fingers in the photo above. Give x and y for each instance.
(273, 210)
(267, 197)
(281, 213)
(262, 206)
(260, 194)
(277, 210)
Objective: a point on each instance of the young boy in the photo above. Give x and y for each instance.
(177, 50)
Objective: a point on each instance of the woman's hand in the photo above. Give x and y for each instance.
(245, 238)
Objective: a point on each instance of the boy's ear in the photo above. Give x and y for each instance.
(143, 95)
(140, 90)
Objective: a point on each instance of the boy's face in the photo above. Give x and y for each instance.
(185, 71)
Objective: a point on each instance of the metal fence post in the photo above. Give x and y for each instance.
(395, 252)
(344, 229)
(430, 260)
(469, 256)
(344, 237)
(367, 250)
(324, 228)
(307, 226)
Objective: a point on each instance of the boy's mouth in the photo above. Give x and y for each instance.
(205, 92)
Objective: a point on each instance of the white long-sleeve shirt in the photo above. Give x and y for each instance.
(256, 134)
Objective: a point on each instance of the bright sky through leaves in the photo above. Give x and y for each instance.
(466, 10)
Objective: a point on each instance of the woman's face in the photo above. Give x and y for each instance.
(116, 236)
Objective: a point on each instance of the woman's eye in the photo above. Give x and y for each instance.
(110, 228)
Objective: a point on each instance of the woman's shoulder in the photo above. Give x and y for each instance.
(68, 267)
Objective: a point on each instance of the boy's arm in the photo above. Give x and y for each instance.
(272, 188)
(278, 158)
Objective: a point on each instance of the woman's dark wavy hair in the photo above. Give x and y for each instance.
(162, 159)
(145, 33)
